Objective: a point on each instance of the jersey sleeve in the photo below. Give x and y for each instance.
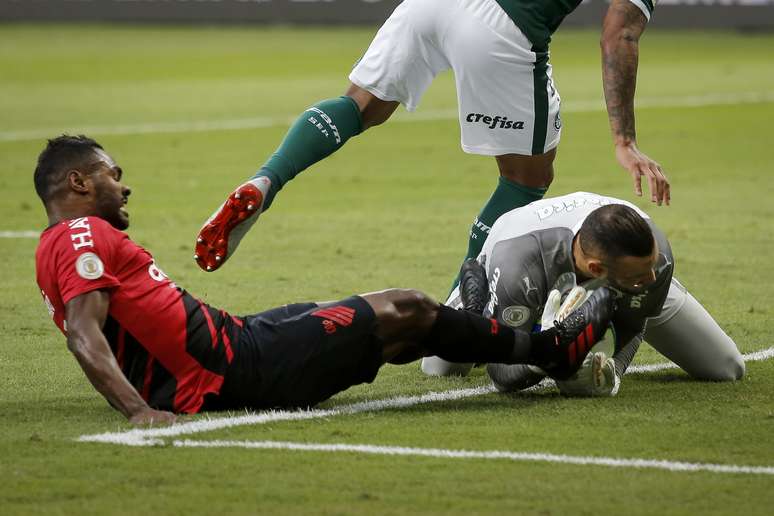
(84, 258)
(646, 6)
(516, 283)
(628, 337)
(517, 289)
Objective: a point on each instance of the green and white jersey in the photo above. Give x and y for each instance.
(538, 19)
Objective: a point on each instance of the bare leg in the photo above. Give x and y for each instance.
(533, 171)
(404, 317)
(411, 325)
(374, 111)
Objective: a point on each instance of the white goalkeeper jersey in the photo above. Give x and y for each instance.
(568, 211)
(528, 253)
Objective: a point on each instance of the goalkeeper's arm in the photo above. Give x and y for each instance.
(624, 355)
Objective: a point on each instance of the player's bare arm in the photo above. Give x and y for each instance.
(622, 28)
(86, 316)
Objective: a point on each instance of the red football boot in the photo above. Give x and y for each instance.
(221, 234)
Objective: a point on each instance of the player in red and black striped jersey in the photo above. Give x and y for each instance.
(154, 350)
(165, 341)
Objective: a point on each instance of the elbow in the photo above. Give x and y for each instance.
(76, 345)
(72, 344)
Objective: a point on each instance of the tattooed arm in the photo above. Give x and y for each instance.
(623, 25)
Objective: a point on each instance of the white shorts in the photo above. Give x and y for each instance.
(508, 103)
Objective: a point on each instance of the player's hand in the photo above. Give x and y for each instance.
(150, 417)
(639, 165)
(550, 310)
(596, 377)
(555, 310)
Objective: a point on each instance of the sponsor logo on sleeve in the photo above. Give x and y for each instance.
(636, 301)
(89, 266)
(569, 205)
(493, 301)
(528, 287)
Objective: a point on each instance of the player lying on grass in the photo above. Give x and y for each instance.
(508, 103)
(152, 350)
(537, 254)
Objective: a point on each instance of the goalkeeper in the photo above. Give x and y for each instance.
(535, 264)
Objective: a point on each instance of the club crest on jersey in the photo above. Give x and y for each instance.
(89, 266)
(515, 316)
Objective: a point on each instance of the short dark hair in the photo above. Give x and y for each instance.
(616, 230)
(62, 153)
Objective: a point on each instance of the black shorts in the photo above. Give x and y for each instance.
(301, 354)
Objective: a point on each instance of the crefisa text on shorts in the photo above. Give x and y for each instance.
(494, 122)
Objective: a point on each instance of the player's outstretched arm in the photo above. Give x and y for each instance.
(622, 27)
(85, 315)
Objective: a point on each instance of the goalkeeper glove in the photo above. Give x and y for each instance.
(596, 377)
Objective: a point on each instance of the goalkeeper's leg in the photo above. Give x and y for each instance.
(687, 334)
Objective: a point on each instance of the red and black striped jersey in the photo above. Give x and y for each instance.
(173, 348)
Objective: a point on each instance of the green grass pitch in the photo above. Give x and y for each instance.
(392, 209)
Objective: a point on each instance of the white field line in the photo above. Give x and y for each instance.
(195, 126)
(492, 454)
(755, 356)
(152, 436)
(155, 436)
(19, 234)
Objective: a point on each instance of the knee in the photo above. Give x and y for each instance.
(532, 179)
(728, 369)
(412, 306)
(373, 110)
(734, 369)
(532, 171)
(374, 117)
(403, 313)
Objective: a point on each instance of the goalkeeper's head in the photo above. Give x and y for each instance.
(615, 243)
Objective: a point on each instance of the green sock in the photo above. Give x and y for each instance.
(319, 132)
(507, 196)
